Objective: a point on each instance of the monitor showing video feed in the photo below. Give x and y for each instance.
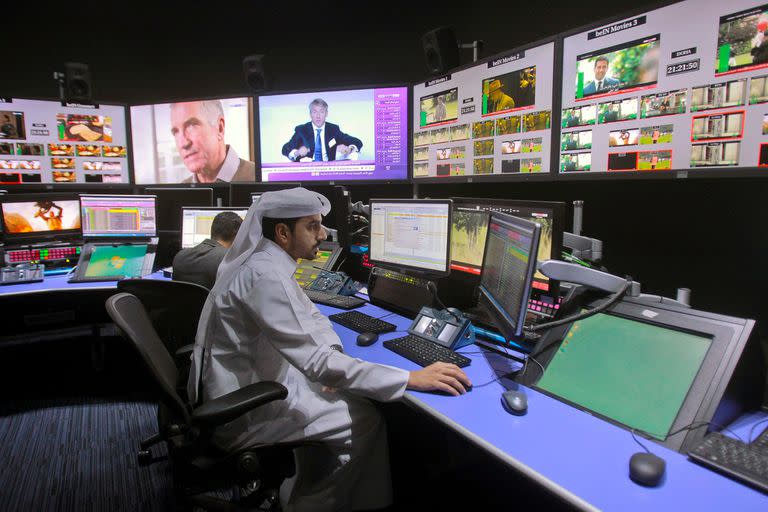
(341, 135)
(696, 95)
(28, 218)
(43, 142)
(498, 106)
(195, 141)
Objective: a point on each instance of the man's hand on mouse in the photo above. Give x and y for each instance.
(445, 377)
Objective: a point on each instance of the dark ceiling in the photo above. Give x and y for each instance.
(140, 52)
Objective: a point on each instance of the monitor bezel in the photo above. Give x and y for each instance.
(554, 118)
(180, 99)
(30, 238)
(157, 191)
(558, 227)
(502, 318)
(269, 187)
(308, 183)
(673, 173)
(121, 235)
(82, 186)
(728, 337)
(204, 208)
(409, 269)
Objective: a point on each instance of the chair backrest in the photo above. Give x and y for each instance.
(173, 306)
(130, 316)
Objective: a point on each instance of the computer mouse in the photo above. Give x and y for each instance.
(646, 469)
(515, 402)
(366, 339)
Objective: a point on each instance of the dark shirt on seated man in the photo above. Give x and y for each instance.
(199, 264)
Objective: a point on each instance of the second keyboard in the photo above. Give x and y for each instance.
(425, 352)
(361, 322)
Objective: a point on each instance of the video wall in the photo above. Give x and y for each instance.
(491, 119)
(42, 142)
(681, 87)
(334, 135)
(199, 141)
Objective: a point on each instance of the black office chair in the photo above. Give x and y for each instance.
(199, 466)
(174, 308)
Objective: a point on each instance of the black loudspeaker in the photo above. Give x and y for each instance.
(441, 49)
(78, 87)
(255, 75)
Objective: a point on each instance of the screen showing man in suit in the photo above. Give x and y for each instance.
(201, 141)
(318, 141)
(352, 134)
(619, 68)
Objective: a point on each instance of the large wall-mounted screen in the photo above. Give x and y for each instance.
(491, 119)
(44, 142)
(198, 141)
(682, 87)
(335, 135)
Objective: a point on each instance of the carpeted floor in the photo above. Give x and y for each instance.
(79, 454)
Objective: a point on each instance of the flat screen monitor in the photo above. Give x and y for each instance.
(508, 267)
(470, 226)
(29, 218)
(196, 141)
(241, 194)
(309, 270)
(363, 135)
(118, 216)
(650, 367)
(196, 223)
(490, 119)
(640, 95)
(170, 200)
(411, 234)
(44, 142)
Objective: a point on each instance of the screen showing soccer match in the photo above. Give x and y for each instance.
(45, 142)
(647, 94)
(196, 141)
(492, 119)
(336, 135)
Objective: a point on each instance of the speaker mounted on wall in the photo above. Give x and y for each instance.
(77, 85)
(256, 75)
(441, 50)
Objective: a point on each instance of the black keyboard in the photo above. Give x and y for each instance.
(425, 352)
(361, 322)
(332, 299)
(762, 440)
(747, 463)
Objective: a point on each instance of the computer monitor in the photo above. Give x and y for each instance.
(196, 222)
(651, 367)
(508, 267)
(308, 270)
(470, 225)
(44, 142)
(118, 216)
(241, 194)
(363, 135)
(170, 200)
(172, 141)
(114, 261)
(411, 235)
(30, 218)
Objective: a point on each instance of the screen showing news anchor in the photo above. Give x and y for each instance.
(202, 141)
(335, 135)
(625, 66)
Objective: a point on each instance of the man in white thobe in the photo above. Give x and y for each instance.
(257, 324)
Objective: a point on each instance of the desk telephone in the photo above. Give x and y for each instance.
(446, 327)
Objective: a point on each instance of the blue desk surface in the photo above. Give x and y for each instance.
(59, 283)
(573, 454)
(579, 457)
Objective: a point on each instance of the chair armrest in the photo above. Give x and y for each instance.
(226, 408)
(185, 351)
